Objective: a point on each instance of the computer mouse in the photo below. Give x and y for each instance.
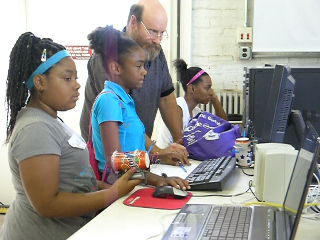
(169, 192)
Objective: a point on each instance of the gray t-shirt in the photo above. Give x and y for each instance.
(37, 133)
(157, 84)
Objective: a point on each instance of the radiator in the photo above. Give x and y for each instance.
(231, 100)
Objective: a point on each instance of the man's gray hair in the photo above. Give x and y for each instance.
(137, 11)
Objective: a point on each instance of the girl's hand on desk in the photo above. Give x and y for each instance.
(175, 154)
(176, 182)
(124, 184)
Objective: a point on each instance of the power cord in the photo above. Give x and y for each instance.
(250, 188)
(222, 195)
(245, 173)
(313, 196)
(232, 195)
(162, 225)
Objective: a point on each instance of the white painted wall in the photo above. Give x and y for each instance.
(12, 25)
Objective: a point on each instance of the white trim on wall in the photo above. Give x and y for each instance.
(186, 30)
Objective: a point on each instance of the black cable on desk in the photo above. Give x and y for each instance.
(250, 185)
(315, 209)
(242, 169)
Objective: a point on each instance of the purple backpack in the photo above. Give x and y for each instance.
(208, 136)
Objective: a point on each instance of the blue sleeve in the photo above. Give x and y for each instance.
(108, 107)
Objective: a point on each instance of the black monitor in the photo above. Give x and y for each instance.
(278, 105)
(306, 95)
(297, 122)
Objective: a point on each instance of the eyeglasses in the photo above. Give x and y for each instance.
(155, 34)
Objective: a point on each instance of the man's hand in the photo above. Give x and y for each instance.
(174, 155)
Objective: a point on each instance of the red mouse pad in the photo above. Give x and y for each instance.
(143, 198)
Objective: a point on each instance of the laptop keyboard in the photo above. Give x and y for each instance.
(210, 174)
(228, 223)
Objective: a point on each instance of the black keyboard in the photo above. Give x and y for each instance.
(228, 223)
(210, 174)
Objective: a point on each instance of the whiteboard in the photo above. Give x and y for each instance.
(286, 26)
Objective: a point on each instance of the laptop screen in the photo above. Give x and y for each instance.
(301, 177)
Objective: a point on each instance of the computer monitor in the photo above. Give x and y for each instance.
(297, 122)
(301, 177)
(278, 105)
(306, 95)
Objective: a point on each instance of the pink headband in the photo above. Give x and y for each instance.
(195, 77)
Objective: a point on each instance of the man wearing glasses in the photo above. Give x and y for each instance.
(147, 23)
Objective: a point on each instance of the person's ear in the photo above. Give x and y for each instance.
(191, 88)
(133, 24)
(114, 68)
(40, 82)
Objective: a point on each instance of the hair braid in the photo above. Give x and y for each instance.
(25, 57)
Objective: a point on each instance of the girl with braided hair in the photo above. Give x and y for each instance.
(197, 86)
(116, 125)
(57, 192)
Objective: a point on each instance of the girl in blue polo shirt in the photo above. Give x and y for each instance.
(115, 123)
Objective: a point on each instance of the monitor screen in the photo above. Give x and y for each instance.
(278, 105)
(306, 95)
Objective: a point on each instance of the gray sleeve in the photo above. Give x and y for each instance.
(167, 85)
(35, 139)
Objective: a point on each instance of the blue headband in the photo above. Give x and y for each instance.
(46, 65)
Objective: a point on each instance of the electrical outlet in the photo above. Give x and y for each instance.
(244, 35)
(245, 52)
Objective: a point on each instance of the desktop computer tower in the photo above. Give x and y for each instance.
(273, 166)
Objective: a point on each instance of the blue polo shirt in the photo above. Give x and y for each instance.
(118, 106)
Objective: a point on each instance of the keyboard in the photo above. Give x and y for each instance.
(211, 174)
(211, 222)
(228, 223)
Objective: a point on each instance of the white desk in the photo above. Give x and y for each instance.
(119, 221)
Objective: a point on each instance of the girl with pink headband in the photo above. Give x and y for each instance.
(197, 86)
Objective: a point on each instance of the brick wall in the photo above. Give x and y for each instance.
(214, 45)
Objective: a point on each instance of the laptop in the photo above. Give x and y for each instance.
(208, 221)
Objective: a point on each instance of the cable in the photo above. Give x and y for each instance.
(219, 195)
(241, 202)
(162, 225)
(312, 197)
(244, 167)
(250, 185)
(250, 175)
(231, 195)
(264, 204)
(311, 216)
(222, 195)
(315, 209)
(312, 204)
